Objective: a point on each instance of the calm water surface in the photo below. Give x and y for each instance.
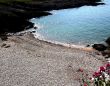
(81, 26)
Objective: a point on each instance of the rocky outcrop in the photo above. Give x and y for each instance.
(14, 19)
(99, 47)
(108, 41)
(106, 53)
(105, 50)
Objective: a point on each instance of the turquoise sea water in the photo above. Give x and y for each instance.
(80, 26)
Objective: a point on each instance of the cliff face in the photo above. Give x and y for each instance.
(14, 15)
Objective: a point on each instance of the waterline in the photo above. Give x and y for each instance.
(41, 37)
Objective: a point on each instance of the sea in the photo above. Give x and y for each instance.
(76, 26)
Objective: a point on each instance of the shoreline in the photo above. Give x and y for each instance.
(41, 38)
(37, 36)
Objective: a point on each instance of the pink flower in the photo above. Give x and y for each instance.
(107, 65)
(85, 84)
(87, 74)
(108, 71)
(96, 74)
(80, 70)
(102, 68)
(90, 78)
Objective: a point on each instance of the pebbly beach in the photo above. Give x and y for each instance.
(28, 61)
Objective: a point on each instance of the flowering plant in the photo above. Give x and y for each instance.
(100, 78)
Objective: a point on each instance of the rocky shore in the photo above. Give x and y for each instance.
(14, 15)
(104, 48)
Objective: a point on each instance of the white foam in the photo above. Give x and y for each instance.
(40, 37)
(38, 25)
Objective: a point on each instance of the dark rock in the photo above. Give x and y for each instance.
(99, 47)
(103, 53)
(88, 45)
(108, 41)
(97, 53)
(33, 31)
(13, 24)
(7, 46)
(3, 45)
(106, 53)
(3, 37)
(35, 27)
(14, 19)
(107, 57)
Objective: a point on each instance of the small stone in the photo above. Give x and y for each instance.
(107, 57)
(3, 45)
(7, 46)
(35, 27)
(106, 52)
(33, 31)
(88, 45)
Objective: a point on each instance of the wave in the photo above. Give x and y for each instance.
(38, 25)
(41, 37)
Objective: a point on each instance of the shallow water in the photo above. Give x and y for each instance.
(80, 26)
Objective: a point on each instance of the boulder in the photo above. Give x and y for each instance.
(88, 45)
(3, 37)
(106, 52)
(99, 47)
(108, 41)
